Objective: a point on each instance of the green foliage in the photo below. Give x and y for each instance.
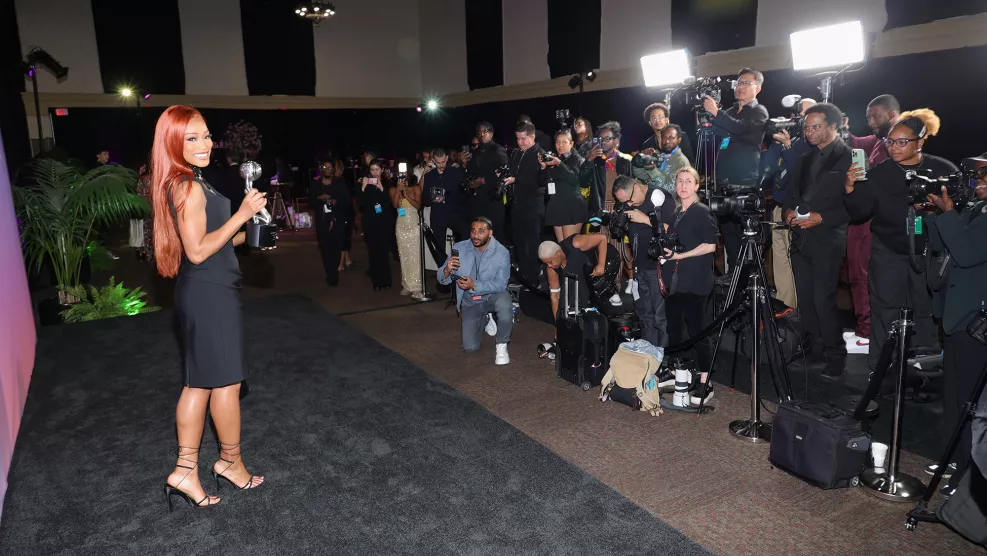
(58, 207)
(110, 301)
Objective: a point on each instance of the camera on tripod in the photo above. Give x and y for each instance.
(739, 200)
(562, 117)
(642, 160)
(697, 92)
(662, 240)
(921, 184)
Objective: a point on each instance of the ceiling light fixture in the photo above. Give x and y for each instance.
(316, 11)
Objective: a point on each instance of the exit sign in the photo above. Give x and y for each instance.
(61, 111)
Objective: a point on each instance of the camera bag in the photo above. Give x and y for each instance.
(581, 337)
(819, 444)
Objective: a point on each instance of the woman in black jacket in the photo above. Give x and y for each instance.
(566, 211)
(896, 278)
(378, 224)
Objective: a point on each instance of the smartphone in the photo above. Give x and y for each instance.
(860, 159)
(597, 142)
(455, 277)
(372, 181)
(455, 252)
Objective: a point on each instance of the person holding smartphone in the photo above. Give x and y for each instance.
(480, 268)
(896, 278)
(378, 225)
(406, 197)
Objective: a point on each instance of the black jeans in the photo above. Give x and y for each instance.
(650, 308)
(816, 276)
(378, 231)
(963, 362)
(686, 314)
(330, 245)
(448, 218)
(527, 222)
(893, 284)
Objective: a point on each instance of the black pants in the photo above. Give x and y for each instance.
(330, 236)
(893, 284)
(378, 231)
(650, 308)
(732, 233)
(686, 319)
(445, 219)
(817, 272)
(963, 362)
(482, 205)
(527, 222)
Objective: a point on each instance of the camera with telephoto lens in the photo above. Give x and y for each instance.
(642, 160)
(739, 200)
(617, 220)
(794, 125)
(545, 155)
(500, 187)
(696, 94)
(662, 240)
(921, 184)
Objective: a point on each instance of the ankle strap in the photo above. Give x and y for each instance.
(227, 449)
(187, 457)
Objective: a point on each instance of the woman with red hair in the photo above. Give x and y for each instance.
(194, 236)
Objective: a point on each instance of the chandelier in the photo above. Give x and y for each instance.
(316, 11)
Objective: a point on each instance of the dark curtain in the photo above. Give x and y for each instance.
(278, 49)
(902, 13)
(140, 45)
(13, 122)
(484, 43)
(573, 37)
(703, 26)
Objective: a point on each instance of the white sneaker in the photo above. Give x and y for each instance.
(849, 334)
(491, 327)
(856, 344)
(615, 300)
(630, 287)
(502, 357)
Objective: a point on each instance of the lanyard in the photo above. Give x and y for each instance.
(664, 160)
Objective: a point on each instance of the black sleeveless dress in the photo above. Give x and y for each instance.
(207, 305)
(580, 264)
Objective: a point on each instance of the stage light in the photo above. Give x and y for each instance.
(591, 76)
(432, 104)
(666, 68)
(831, 46)
(147, 96)
(126, 92)
(39, 57)
(418, 108)
(575, 81)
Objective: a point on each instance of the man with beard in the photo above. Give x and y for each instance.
(330, 199)
(662, 175)
(441, 190)
(881, 114)
(658, 117)
(481, 267)
(483, 185)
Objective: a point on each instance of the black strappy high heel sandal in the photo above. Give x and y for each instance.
(227, 449)
(169, 490)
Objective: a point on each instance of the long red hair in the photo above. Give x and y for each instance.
(168, 168)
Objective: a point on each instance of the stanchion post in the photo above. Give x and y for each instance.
(753, 429)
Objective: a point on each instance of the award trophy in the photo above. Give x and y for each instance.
(261, 233)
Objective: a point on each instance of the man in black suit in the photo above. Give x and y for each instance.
(815, 211)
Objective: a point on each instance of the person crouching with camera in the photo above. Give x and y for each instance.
(896, 278)
(687, 273)
(641, 202)
(481, 267)
(962, 301)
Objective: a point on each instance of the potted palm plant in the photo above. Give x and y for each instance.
(58, 207)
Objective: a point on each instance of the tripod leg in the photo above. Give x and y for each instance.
(776, 360)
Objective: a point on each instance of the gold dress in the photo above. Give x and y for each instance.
(409, 247)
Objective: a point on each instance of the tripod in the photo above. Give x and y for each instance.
(706, 152)
(762, 323)
(278, 208)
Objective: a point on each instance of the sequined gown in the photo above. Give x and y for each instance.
(409, 246)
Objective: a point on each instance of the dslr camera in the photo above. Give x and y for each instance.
(739, 200)
(642, 160)
(697, 93)
(794, 125)
(617, 221)
(500, 187)
(661, 240)
(959, 185)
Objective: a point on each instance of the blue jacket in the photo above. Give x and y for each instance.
(777, 166)
(493, 272)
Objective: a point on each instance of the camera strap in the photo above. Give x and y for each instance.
(914, 226)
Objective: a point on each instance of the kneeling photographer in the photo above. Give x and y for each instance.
(897, 277)
(582, 255)
(961, 303)
(687, 269)
(641, 214)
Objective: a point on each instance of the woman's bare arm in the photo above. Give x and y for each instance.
(197, 244)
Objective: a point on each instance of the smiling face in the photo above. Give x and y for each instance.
(198, 143)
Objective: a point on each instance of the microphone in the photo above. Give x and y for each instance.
(790, 101)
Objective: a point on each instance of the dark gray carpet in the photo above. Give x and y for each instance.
(363, 453)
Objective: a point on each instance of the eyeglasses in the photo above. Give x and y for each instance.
(654, 119)
(607, 138)
(980, 173)
(746, 83)
(900, 143)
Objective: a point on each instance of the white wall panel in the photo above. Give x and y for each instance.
(630, 29)
(64, 28)
(525, 41)
(212, 47)
(442, 27)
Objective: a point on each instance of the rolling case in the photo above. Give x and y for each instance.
(581, 339)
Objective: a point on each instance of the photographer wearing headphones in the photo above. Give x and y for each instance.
(482, 187)
(896, 279)
(961, 304)
(688, 275)
(814, 209)
(740, 129)
(641, 204)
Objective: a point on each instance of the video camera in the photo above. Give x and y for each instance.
(662, 240)
(794, 125)
(697, 92)
(740, 200)
(642, 160)
(959, 186)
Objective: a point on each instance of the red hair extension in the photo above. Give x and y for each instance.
(168, 167)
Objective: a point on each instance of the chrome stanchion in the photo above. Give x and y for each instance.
(889, 484)
(753, 429)
(421, 250)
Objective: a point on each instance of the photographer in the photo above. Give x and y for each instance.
(961, 235)
(688, 275)
(740, 129)
(528, 208)
(541, 138)
(673, 160)
(604, 164)
(574, 254)
(566, 211)
(330, 199)
(481, 267)
(444, 194)
(658, 117)
(582, 137)
(642, 202)
(483, 184)
(894, 280)
(777, 165)
(814, 209)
